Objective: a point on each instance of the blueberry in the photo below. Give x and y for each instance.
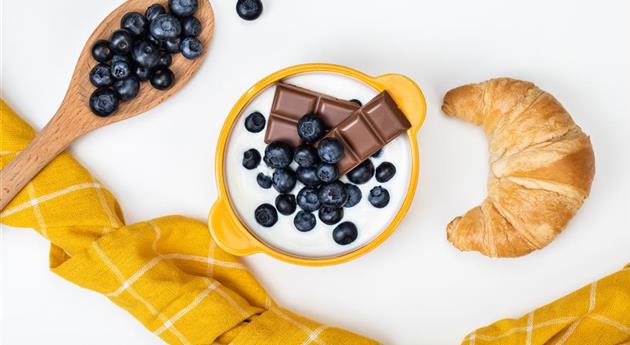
(285, 203)
(308, 200)
(308, 176)
(249, 9)
(278, 155)
(266, 215)
(357, 102)
(311, 128)
(101, 75)
(255, 122)
(143, 73)
(153, 40)
(251, 159)
(330, 150)
(121, 41)
(153, 11)
(101, 51)
(103, 101)
(306, 156)
(362, 173)
(191, 26)
(283, 180)
(330, 215)
(127, 88)
(333, 194)
(135, 22)
(183, 8)
(191, 48)
(379, 197)
(165, 26)
(165, 59)
(345, 233)
(377, 153)
(145, 54)
(263, 181)
(354, 195)
(304, 221)
(327, 172)
(121, 57)
(172, 45)
(120, 69)
(162, 78)
(385, 172)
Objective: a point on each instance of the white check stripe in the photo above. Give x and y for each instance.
(113, 220)
(36, 211)
(203, 259)
(48, 197)
(530, 328)
(314, 335)
(613, 323)
(523, 329)
(576, 323)
(170, 322)
(232, 302)
(135, 294)
(5, 153)
(299, 325)
(127, 283)
(210, 267)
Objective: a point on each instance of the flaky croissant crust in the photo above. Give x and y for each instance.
(541, 167)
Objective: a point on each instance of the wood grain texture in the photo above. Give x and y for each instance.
(74, 117)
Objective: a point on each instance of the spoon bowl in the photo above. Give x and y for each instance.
(74, 117)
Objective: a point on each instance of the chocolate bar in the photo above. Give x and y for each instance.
(290, 103)
(368, 129)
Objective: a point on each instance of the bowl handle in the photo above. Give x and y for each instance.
(407, 95)
(227, 234)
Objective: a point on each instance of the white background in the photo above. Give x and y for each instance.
(415, 288)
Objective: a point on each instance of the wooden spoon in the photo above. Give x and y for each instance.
(74, 117)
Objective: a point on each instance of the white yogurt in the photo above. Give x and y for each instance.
(245, 194)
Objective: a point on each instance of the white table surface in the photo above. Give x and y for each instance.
(415, 288)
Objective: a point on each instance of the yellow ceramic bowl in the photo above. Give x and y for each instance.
(226, 227)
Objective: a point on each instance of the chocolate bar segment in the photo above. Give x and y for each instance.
(368, 129)
(291, 102)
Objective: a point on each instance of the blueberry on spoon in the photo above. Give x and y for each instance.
(127, 88)
(191, 26)
(103, 102)
(101, 75)
(145, 54)
(101, 51)
(153, 11)
(183, 8)
(165, 26)
(135, 22)
(191, 48)
(121, 41)
(162, 78)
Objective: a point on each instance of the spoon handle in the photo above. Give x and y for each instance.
(48, 143)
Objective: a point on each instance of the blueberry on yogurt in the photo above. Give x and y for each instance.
(385, 172)
(327, 172)
(308, 176)
(251, 159)
(255, 122)
(283, 180)
(311, 128)
(379, 197)
(263, 181)
(266, 215)
(285, 203)
(308, 200)
(278, 155)
(345, 233)
(333, 194)
(330, 150)
(304, 221)
(354, 195)
(362, 173)
(306, 156)
(330, 215)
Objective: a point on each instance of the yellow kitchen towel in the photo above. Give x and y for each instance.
(168, 272)
(597, 314)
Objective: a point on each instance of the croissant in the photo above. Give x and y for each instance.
(541, 167)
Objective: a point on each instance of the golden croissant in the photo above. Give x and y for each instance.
(541, 167)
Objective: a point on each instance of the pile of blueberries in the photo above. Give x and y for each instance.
(317, 170)
(141, 50)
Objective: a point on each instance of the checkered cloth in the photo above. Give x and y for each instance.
(169, 274)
